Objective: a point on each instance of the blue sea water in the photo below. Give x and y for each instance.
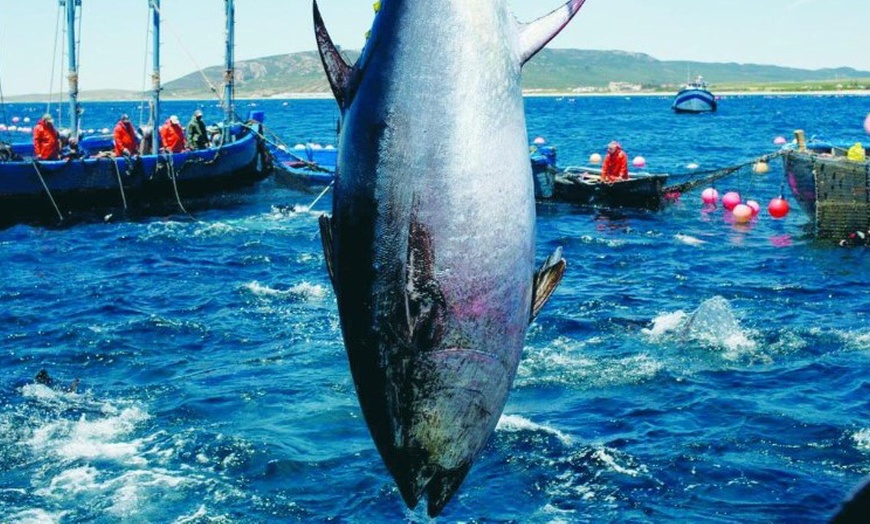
(686, 370)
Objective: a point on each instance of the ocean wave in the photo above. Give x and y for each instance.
(862, 439)
(568, 362)
(515, 423)
(305, 290)
(713, 324)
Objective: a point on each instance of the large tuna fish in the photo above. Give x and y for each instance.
(432, 238)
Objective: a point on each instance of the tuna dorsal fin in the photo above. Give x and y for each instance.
(535, 35)
(326, 240)
(338, 72)
(547, 279)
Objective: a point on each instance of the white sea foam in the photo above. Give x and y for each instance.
(567, 362)
(516, 423)
(101, 438)
(862, 439)
(689, 240)
(856, 340)
(665, 323)
(36, 516)
(713, 324)
(304, 290)
(215, 229)
(612, 462)
(200, 514)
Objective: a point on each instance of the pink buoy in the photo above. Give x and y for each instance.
(754, 206)
(595, 158)
(867, 123)
(540, 141)
(710, 196)
(780, 140)
(742, 213)
(778, 207)
(15, 119)
(730, 199)
(639, 161)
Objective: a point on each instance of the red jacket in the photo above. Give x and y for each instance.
(46, 145)
(172, 137)
(615, 166)
(125, 139)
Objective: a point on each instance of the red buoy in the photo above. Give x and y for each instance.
(778, 207)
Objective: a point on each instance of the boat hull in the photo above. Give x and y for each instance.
(832, 190)
(51, 190)
(640, 191)
(694, 100)
(305, 167)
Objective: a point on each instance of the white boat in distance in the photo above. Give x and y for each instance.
(694, 98)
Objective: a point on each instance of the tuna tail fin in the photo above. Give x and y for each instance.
(535, 35)
(338, 71)
(547, 279)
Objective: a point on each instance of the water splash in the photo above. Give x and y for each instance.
(713, 324)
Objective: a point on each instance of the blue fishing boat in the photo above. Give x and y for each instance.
(695, 97)
(304, 165)
(94, 179)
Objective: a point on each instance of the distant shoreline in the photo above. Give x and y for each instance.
(25, 99)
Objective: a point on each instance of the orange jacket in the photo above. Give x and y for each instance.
(615, 166)
(172, 137)
(46, 145)
(125, 139)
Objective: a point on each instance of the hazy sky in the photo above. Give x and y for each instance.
(808, 34)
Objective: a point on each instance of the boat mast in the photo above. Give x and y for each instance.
(155, 76)
(229, 72)
(73, 75)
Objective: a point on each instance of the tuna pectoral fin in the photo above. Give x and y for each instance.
(535, 35)
(337, 70)
(326, 241)
(547, 278)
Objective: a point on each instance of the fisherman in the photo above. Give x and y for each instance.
(615, 166)
(126, 141)
(197, 136)
(46, 141)
(172, 136)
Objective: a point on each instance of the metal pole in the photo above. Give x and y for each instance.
(155, 76)
(229, 73)
(73, 75)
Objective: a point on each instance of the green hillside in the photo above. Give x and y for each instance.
(551, 70)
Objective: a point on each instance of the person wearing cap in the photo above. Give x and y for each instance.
(126, 141)
(46, 141)
(172, 136)
(615, 166)
(197, 136)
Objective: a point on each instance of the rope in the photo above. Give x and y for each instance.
(120, 183)
(285, 149)
(3, 107)
(716, 175)
(189, 56)
(53, 64)
(321, 194)
(172, 175)
(45, 186)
